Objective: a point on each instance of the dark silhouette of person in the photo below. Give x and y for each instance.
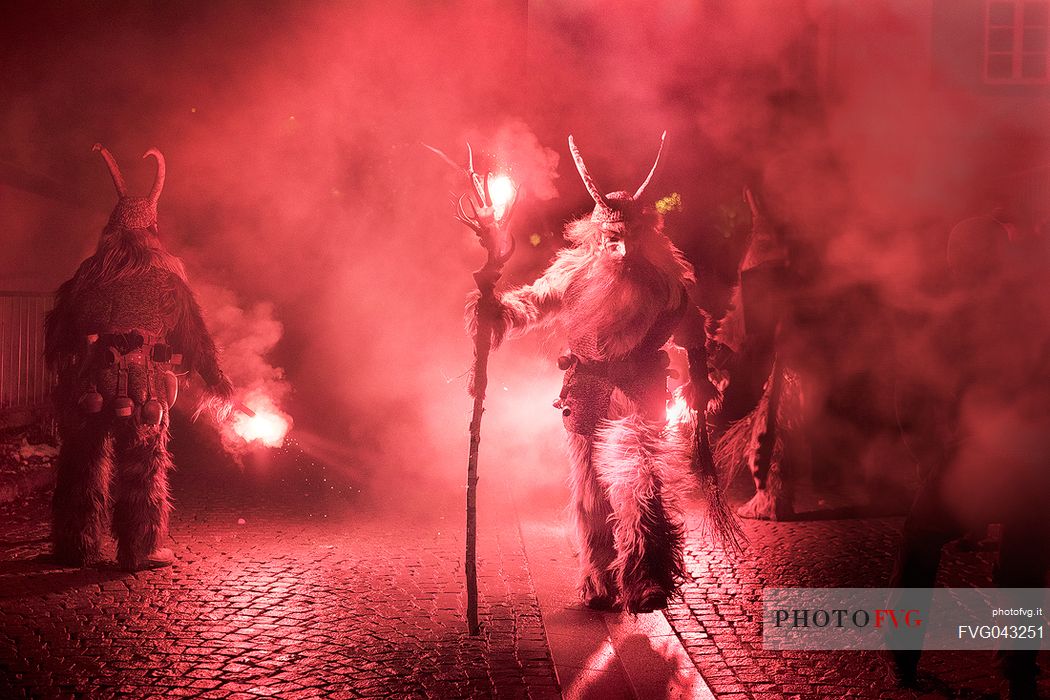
(980, 416)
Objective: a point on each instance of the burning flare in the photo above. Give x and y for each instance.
(502, 191)
(266, 425)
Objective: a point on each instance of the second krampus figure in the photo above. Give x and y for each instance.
(118, 328)
(619, 293)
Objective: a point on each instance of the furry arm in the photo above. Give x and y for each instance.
(191, 337)
(520, 310)
(692, 334)
(60, 336)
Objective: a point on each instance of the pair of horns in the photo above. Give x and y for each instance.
(589, 183)
(118, 177)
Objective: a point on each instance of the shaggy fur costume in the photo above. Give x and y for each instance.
(751, 330)
(743, 442)
(126, 299)
(618, 312)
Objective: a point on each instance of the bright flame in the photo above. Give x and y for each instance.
(677, 409)
(268, 426)
(501, 190)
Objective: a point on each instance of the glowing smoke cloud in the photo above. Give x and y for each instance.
(300, 180)
(245, 336)
(519, 154)
(267, 425)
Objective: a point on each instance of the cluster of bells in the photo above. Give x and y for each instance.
(150, 413)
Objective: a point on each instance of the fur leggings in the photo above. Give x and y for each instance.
(99, 452)
(627, 521)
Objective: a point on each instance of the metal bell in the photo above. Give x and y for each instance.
(123, 406)
(152, 412)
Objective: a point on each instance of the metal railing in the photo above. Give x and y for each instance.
(25, 382)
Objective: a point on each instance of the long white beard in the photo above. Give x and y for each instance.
(618, 300)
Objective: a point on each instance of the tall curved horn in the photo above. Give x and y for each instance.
(114, 169)
(588, 181)
(640, 190)
(158, 182)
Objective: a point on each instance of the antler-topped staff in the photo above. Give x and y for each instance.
(486, 210)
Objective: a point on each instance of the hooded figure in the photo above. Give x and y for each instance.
(619, 293)
(119, 328)
(749, 334)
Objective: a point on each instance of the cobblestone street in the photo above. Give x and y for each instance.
(719, 618)
(285, 590)
(289, 585)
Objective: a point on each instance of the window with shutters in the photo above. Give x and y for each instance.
(1015, 42)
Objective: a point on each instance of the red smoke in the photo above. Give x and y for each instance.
(299, 192)
(247, 337)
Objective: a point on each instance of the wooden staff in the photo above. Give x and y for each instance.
(486, 279)
(476, 210)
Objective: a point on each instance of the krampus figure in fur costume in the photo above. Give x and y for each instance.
(119, 327)
(751, 330)
(619, 293)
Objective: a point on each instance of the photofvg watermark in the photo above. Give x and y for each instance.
(905, 618)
